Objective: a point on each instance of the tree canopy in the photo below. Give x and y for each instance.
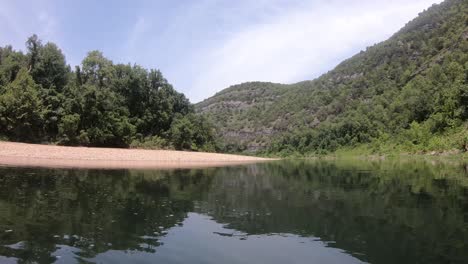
(99, 103)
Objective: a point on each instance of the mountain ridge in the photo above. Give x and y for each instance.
(362, 98)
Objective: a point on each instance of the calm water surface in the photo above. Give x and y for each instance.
(281, 212)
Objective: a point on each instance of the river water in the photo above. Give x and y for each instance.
(278, 212)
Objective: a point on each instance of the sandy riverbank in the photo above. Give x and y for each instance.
(21, 154)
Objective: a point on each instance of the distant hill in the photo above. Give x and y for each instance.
(408, 90)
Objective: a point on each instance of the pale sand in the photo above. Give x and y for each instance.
(21, 154)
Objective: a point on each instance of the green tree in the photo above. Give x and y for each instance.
(10, 63)
(182, 132)
(50, 69)
(21, 109)
(98, 104)
(97, 70)
(33, 45)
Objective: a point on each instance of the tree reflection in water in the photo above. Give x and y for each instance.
(378, 212)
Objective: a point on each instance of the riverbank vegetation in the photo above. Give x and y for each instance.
(98, 103)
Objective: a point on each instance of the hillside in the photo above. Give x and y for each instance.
(409, 90)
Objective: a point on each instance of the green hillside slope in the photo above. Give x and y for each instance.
(410, 90)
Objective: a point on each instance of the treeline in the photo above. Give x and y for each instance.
(97, 104)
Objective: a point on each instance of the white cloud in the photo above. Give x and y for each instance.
(301, 43)
(138, 30)
(47, 25)
(205, 46)
(19, 20)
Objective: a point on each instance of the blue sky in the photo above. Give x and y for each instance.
(204, 46)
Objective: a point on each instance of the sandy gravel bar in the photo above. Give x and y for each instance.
(21, 154)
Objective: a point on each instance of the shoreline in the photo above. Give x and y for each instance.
(51, 156)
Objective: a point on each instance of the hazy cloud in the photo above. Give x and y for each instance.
(204, 46)
(300, 44)
(20, 19)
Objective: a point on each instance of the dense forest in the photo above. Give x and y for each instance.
(97, 104)
(406, 94)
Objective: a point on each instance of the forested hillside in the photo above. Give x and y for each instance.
(408, 93)
(96, 104)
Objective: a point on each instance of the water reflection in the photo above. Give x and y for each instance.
(296, 212)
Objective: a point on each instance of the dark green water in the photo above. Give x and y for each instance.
(281, 212)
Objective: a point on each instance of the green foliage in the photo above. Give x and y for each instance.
(68, 128)
(192, 132)
(97, 70)
(98, 104)
(10, 64)
(154, 142)
(182, 132)
(21, 113)
(412, 88)
(47, 64)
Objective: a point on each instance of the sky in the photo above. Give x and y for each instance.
(204, 46)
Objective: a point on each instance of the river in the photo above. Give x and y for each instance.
(279, 212)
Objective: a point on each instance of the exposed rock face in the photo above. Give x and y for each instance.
(237, 110)
(465, 35)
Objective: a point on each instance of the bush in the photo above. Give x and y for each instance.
(153, 142)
